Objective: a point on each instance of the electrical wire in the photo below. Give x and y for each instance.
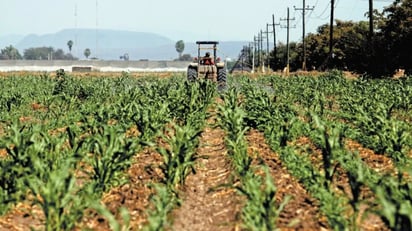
(323, 12)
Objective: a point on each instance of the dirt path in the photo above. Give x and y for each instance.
(202, 207)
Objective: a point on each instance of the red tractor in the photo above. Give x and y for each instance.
(207, 66)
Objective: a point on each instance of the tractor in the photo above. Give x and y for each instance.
(209, 66)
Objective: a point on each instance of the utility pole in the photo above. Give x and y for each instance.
(288, 19)
(75, 33)
(261, 60)
(303, 9)
(97, 26)
(254, 53)
(258, 42)
(274, 36)
(370, 21)
(332, 9)
(267, 44)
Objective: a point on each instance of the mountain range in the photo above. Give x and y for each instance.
(111, 44)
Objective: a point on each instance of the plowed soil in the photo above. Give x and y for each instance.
(209, 201)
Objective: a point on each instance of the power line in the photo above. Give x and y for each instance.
(274, 35)
(323, 12)
(288, 19)
(303, 9)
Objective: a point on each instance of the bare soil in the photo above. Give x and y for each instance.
(209, 201)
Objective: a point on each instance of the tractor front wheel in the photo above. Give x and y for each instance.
(221, 78)
(191, 74)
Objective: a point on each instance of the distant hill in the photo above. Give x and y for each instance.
(8, 40)
(111, 44)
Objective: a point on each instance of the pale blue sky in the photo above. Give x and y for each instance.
(189, 20)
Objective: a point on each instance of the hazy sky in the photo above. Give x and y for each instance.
(189, 20)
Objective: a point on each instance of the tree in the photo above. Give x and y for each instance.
(70, 45)
(280, 59)
(46, 53)
(39, 53)
(87, 52)
(10, 52)
(349, 50)
(184, 57)
(396, 36)
(180, 47)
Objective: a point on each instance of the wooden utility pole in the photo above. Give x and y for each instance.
(370, 21)
(288, 19)
(273, 24)
(261, 59)
(332, 9)
(254, 53)
(250, 51)
(303, 9)
(267, 44)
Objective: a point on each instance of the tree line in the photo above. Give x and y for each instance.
(40, 53)
(379, 54)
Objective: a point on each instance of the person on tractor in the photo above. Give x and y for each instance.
(207, 60)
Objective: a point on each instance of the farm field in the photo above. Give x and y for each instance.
(154, 152)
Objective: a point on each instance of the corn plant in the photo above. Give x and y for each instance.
(231, 119)
(55, 193)
(163, 203)
(189, 100)
(115, 225)
(150, 119)
(111, 154)
(261, 210)
(19, 144)
(180, 155)
(330, 140)
(395, 199)
(331, 204)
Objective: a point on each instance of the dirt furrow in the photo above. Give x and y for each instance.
(205, 204)
(302, 211)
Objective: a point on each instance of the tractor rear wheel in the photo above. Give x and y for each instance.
(191, 74)
(221, 78)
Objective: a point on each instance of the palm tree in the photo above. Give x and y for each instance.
(87, 52)
(70, 45)
(180, 47)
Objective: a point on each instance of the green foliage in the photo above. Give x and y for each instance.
(180, 47)
(115, 225)
(87, 52)
(163, 202)
(261, 209)
(179, 158)
(55, 192)
(45, 53)
(10, 52)
(111, 154)
(92, 121)
(231, 119)
(354, 48)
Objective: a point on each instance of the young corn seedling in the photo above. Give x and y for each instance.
(395, 199)
(329, 139)
(55, 193)
(231, 119)
(163, 203)
(180, 155)
(115, 225)
(111, 154)
(261, 210)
